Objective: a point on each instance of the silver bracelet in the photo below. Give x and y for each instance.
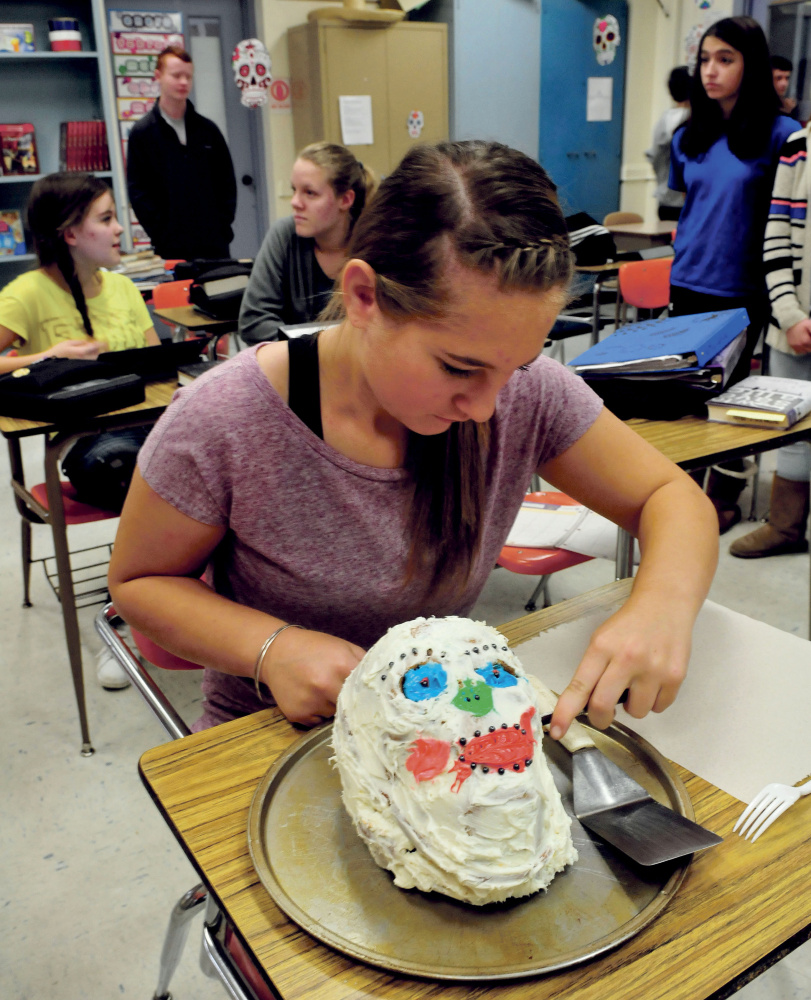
(262, 653)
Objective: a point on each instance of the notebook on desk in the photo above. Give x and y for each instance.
(155, 364)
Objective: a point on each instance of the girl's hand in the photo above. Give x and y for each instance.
(305, 670)
(646, 652)
(799, 337)
(87, 350)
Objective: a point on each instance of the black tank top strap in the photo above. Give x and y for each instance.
(304, 393)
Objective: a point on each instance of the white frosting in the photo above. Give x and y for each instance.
(465, 829)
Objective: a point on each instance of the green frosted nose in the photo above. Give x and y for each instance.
(475, 697)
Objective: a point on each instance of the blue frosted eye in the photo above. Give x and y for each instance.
(425, 681)
(498, 675)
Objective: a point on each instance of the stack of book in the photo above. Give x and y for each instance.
(83, 146)
(665, 368)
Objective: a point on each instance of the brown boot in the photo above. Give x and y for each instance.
(785, 531)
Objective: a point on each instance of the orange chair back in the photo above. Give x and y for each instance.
(646, 283)
(171, 293)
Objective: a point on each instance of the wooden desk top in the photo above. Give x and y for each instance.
(158, 395)
(694, 442)
(738, 903)
(191, 319)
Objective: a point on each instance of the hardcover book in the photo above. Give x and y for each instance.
(764, 400)
(19, 148)
(12, 240)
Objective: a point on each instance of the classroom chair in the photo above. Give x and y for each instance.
(543, 562)
(34, 509)
(169, 294)
(222, 956)
(644, 284)
(621, 218)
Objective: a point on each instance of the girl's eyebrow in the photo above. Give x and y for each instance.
(474, 363)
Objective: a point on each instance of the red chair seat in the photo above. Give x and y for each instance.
(538, 562)
(76, 512)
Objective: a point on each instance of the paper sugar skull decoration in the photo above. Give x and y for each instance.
(416, 121)
(251, 65)
(606, 39)
(438, 743)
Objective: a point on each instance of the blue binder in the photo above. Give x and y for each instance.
(676, 341)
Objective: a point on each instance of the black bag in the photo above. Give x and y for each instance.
(100, 468)
(590, 242)
(665, 399)
(218, 285)
(61, 390)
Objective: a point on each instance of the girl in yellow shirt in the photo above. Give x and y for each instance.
(69, 308)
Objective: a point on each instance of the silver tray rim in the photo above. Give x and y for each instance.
(644, 751)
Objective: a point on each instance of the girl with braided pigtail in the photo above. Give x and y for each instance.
(69, 307)
(377, 480)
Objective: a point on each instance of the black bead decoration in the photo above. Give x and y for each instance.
(485, 769)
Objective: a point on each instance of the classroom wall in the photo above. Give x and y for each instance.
(494, 71)
(492, 56)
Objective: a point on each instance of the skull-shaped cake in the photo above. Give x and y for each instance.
(437, 740)
(606, 39)
(251, 65)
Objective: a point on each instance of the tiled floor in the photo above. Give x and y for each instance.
(88, 868)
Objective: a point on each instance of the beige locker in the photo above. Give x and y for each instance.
(402, 67)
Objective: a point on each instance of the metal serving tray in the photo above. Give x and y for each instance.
(320, 873)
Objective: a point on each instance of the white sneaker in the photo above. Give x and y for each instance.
(109, 671)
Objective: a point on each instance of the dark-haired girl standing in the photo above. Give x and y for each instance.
(724, 159)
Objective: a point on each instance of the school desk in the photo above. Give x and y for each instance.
(740, 909)
(695, 443)
(57, 439)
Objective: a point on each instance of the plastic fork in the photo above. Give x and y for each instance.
(766, 806)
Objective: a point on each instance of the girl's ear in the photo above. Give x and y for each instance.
(346, 200)
(358, 287)
(69, 236)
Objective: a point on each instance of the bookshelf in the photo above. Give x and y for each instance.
(47, 88)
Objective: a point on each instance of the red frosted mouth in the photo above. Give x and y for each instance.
(506, 748)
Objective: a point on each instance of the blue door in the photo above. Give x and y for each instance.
(583, 157)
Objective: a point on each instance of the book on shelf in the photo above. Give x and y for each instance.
(12, 239)
(764, 400)
(675, 342)
(19, 148)
(83, 146)
(16, 37)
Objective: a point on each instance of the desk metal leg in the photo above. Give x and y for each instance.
(53, 447)
(624, 566)
(595, 311)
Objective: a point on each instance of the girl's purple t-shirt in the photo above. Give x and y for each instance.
(315, 538)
